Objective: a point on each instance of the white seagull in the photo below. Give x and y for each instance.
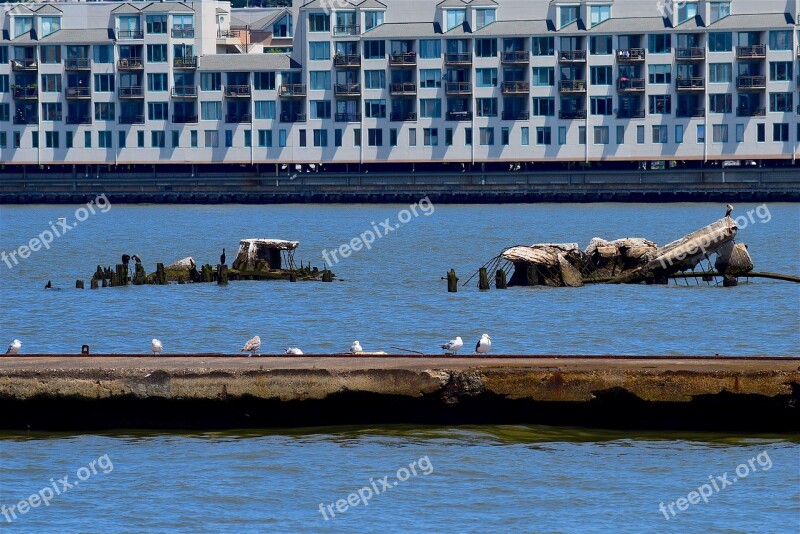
(294, 351)
(484, 344)
(453, 346)
(15, 346)
(156, 346)
(355, 348)
(252, 346)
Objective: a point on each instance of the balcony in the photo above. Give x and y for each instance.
(572, 86)
(347, 117)
(238, 118)
(130, 63)
(347, 89)
(24, 64)
(184, 118)
(403, 116)
(459, 116)
(31, 92)
(458, 88)
(133, 91)
(572, 114)
(25, 119)
(227, 34)
(458, 59)
(515, 88)
(293, 117)
(515, 58)
(130, 34)
(78, 93)
(572, 56)
(77, 63)
(346, 29)
(408, 59)
(292, 90)
(750, 112)
(630, 114)
(79, 119)
(347, 60)
(630, 85)
(403, 89)
(692, 113)
(185, 62)
(183, 33)
(690, 84)
(184, 91)
(131, 119)
(631, 55)
(237, 91)
(751, 52)
(695, 53)
(751, 83)
(515, 116)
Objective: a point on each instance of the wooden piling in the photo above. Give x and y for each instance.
(140, 276)
(79, 284)
(293, 276)
(483, 279)
(327, 276)
(452, 281)
(222, 275)
(730, 281)
(500, 281)
(161, 275)
(93, 284)
(208, 272)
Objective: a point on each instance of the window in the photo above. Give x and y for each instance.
(412, 137)
(543, 136)
(686, 11)
(659, 43)
(430, 78)
(374, 137)
(373, 19)
(3, 139)
(454, 17)
(601, 135)
(320, 80)
(567, 15)
(581, 135)
(156, 24)
(467, 136)
(780, 102)
(5, 114)
(484, 17)
(719, 10)
(660, 104)
(679, 133)
(248, 138)
(104, 139)
(266, 109)
(212, 111)
(562, 135)
(265, 138)
(660, 135)
(337, 137)
(720, 73)
(357, 137)
(51, 139)
(303, 142)
(599, 14)
(157, 139)
(375, 79)
(640, 134)
(780, 71)
(542, 76)
(486, 107)
(176, 138)
(542, 46)
(375, 109)
(430, 48)
(543, 106)
(4, 83)
(505, 135)
(525, 137)
(319, 22)
(740, 133)
(264, 81)
(193, 138)
(50, 54)
(210, 81)
(104, 83)
(760, 133)
(320, 109)
(320, 138)
(486, 77)
(103, 54)
(486, 47)
(393, 137)
(701, 134)
(661, 74)
(51, 111)
(157, 111)
(374, 49)
(780, 40)
(157, 53)
(602, 105)
(600, 45)
(430, 108)
(719, 133)
(50, 25)
(320, 51)
(87, 139)
(720, 42)
(18, 139)
(51, 83)
(3, 54)
(211, 138)
(620, 135)
(282, 138)
(720, 103)
(104, 111)
(22, 25)
(486, 136)
(601, 75)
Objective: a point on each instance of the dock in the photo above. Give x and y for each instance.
(214, 391)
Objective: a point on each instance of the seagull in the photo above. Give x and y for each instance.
(453, 346)
(14, 347)
(729, 211)
(294, 351)
(156, 346)
(137, 259)
(252, 346)
(355, 348)
(484, 344)
(222, 257)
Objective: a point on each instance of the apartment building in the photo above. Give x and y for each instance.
(368, 81)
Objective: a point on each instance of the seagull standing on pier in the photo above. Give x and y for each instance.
(355, 348)
(156, 346)
(484, 344)
(453, 346)
(252, 346)
(293, 351)
(15, 347)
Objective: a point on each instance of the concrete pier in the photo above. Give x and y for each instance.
(67, 392)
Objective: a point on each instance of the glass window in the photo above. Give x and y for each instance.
(265, 109)
(567, 15)
(264, 81)
(780, 132)
(319, 22)
(374, 49)
(686, 11)
(320, 80)
(373, 19)
(156, 24)
(104, 139)
(525, 136)
(542, 76)
(430, 108)
(320, 50)
(486, 77)
(543, 46)
(320, 138)
(543, 106)
(51, 139)
(51, 83)
(484, 17)
(157, 53)
(543, 136)
(157, 82)
(4, 83)
(679, 133)
(601, 45)
(701, 133)
(265, 138)
(210, 81)
(211, 138)
(719, 10)
(375, 79)
(601, 136)
(486, 47)
(212, 111)
(486, 107)
(720, 103)
(50, 54)
(780, 102)
(374, 137)
(601, 105)
(375, 109)
(157, 111)
(660, 104)
(601, 75)
(720, 72)
(780, 40)
(104, 83)
(103, 54)
(454, 17)
(3, 54)
(719, 133)
(720, 42)
(660, 134)
(320, 109)
(22, 25)
(780, 71)
(640, 134)
(430, 49)
(430, 78)
(660, 74)
(598, 14)
(659, 43)
(740, 133)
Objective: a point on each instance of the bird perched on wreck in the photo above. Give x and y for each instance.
(484, 344)
(729, 210)
(137, 259)
(293, 351)
(156, 346)
(355, 348)
(222, 257)
(126, 259)
(453, 346)
(252, 346)
(15, 347)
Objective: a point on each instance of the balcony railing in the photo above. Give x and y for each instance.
(347, 60)
(184, 118)
(227, 34)
(130, 63)
(295, 89)
(750, 112)
(572, 56)
(130, 34)
(347, 89)
(515, 58)
(572, 114)
(697, 112)
(458, 88)
(630, 85)
(572, 86)
(131, 119)
(630, 113)
(631, 55)
(459, 116)
(237, 91)
(79, 119)
(695, 83)
(408, 59)
(695, 53)
(515, 88)
(78, 92)
(751, 82)
(24, 64)
(25, 119)
(77, 63)
(25, 93)
(403, 116)
(293, 117)
(458, 59)
(347, 117)
(798, 50)
(751, 52)
(182, 33)
(405, 88)
(515, 116)
(236, 118)
(184, 91)
(132, 91)
(185, 62)
(346, 29)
